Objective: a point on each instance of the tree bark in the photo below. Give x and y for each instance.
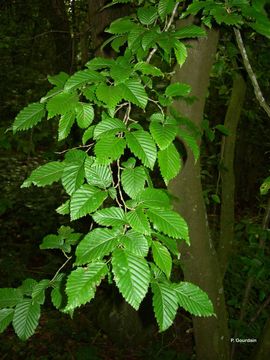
(55, 12)
(227, 171)
(263, 349)
(200, 263)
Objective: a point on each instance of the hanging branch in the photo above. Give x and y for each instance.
(251, 74)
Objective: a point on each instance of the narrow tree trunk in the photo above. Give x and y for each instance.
(56, 13)
(262, 351)
(227, 171)
(200, 263)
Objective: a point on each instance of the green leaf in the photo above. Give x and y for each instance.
(85, 200)
(165, 7)
(180, 52)
(153, 198)
(142, 145)
(121, 26)
(82, 282)
(264, 188)
(162, 257)
(57, 298)
(138, 221)
(112, 216)
(57, 294)
(147, 69)
(80, 78)
(109, 95)
(28, 286)
(9, 297)
(147, 15)
(88, 134)
(191, 142)
(163, 134)
(190, 31)
(84, 115)
(51, 242)
(109, 148)
(6, 316)
(109, 126)
(149, 39)
(165, 304)
(25, 320)
(95, 245)
(223, 129)
(65, 124)
(64, 208)
(99, 63)
(178, 89)
(28, 117)
(169, 222)
(45, 174)
(120, 72)
(170, 243)
(135, 242)
(131, 275)
(169, 162)
(193, 299)
(38, 294)
(73, 175)
(58, 80)
(133, 180)
(133, 91)
(98, 175)
(61, 104)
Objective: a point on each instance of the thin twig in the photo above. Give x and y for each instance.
(76, 147)
(61, 267)
(166, 29)
(251, 74)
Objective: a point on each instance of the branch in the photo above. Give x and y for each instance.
(251, 74)
(166, 29)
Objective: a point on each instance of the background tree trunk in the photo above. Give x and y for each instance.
(55, 12)
(200, 263)
(263, 349)
(227, 171)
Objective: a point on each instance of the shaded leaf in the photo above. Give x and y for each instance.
(25, 320)
(10, 297)
(6, 317)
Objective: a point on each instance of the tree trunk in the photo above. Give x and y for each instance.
(227, 171)
(200, 263)
(263, 349)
